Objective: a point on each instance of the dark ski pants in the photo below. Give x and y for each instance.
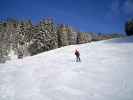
(78, 59)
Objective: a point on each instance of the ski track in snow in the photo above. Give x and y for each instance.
(105, 73)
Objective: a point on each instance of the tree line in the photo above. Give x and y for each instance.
(25, 38)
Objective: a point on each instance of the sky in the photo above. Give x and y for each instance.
(104, 16)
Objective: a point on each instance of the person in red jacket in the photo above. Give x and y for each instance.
(77, 55)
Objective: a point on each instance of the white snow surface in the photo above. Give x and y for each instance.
(105, 73)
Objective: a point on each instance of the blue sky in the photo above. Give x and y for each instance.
(107, 16)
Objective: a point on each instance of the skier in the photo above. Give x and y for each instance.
(77, 55)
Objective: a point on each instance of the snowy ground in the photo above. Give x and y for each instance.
(105, 73)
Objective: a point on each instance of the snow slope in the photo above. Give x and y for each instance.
(105, 73)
